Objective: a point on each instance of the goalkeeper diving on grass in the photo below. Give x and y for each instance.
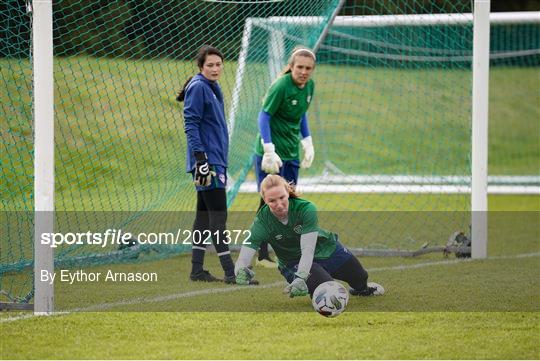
(283, 126)
(307, 254)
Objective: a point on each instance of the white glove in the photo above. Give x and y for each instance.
(309, 152)
(271, 162)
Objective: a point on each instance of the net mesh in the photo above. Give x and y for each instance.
(390, 118)
(119, 140)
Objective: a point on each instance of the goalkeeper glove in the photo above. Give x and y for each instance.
(245, 277)
(203, 174)
(298, 286)
(271, 162)
(309, 152)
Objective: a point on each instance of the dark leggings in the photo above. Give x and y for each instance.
(351, 272)
(212, 216)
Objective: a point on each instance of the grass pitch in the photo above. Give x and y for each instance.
(270, 335)
(435, 308)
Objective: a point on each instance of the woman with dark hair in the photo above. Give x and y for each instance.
(206, 159)
(283, 126)
(307, 254)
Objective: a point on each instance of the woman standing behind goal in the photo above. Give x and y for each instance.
(207, 152)
(283, 126)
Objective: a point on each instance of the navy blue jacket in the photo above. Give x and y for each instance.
(204, 122)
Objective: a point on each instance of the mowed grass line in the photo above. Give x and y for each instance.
(271, 335)
(440, 285)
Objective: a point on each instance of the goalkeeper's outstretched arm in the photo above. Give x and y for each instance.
(298, 286)
(244, 259)
(308, 242)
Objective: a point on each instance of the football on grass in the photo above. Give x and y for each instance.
(330, 298)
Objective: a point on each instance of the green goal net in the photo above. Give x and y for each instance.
(391, 120)
(119, 139)
(391, 117)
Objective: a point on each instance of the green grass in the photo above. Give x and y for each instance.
(508, 130)
(440, 285)
(409, 202)
(409, 221)
(441, 335)
(122, 136)
(472, 310)
(435, 308)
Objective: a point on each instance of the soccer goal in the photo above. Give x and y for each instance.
(400, 119)
(415, 42)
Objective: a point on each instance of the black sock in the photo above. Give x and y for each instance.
(197, 260)
(227, 264)
(216, 205)
(224, 254)
(317, 275)
(198, 249)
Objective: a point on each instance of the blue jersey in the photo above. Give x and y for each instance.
(204, 122)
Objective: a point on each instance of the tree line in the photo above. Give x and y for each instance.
(173, 28)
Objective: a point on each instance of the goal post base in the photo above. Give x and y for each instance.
(366, 252)
(9, 306)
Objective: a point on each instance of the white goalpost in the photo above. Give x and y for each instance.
(42, 40)
(479, 183)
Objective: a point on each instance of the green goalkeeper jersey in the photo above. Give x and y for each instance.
(286, 103)
(285, 239)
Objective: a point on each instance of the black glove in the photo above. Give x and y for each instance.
(203, 174)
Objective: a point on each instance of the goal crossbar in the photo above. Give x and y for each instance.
(520, 17)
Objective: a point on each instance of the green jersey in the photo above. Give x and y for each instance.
(286, 103)
(285, 239)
